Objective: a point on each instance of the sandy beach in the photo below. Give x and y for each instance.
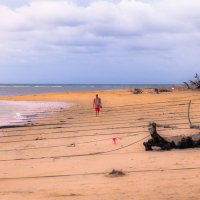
(69, 153)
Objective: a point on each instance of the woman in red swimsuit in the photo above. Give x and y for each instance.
(97, 105)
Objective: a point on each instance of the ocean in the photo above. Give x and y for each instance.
(20, 89)
(17, 113)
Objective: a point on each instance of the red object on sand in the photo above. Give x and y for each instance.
(114, 140)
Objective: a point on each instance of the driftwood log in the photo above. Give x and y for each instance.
(157, 140)
(193, 84)
(187, 85)
(174, 142)
(193, 126)
(137, 91)
(168, 143)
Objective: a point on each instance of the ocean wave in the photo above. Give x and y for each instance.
(31, 86)
(15, 86)
(47, 86)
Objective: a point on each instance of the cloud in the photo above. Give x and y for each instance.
(142, 29)
(64, 23)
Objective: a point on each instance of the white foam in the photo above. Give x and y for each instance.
(13, 112)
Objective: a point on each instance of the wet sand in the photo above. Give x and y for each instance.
(69, 153)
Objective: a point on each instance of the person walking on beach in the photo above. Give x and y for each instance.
(97, 105)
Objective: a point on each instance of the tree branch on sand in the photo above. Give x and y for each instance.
(137, 91)
(193, 84)
(170, 142)
(193, 126)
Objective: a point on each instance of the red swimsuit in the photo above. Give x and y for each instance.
(97, 103)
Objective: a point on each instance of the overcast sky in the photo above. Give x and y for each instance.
(94, 41)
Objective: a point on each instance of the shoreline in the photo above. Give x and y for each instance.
(37, 96)
(23, 113)
(65, 98)
(15, 90)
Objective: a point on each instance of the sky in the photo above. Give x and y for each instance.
(99, 41)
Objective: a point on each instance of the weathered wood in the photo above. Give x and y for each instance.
(156, 140)
(137, 91)
(192, 126)
(164, 90)
(187, 85)
(168, 143)
(166, 126)
(193, 84)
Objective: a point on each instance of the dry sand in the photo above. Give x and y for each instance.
(57, 160)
